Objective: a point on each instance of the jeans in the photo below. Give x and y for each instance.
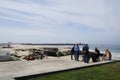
(86, 57)
(76, 55)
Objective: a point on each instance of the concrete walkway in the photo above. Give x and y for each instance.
(13, 69)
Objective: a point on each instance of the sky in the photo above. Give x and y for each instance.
(60, 21)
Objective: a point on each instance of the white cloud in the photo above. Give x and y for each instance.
(27, 32)
(50, 14)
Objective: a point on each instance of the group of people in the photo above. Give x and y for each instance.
(86, 54)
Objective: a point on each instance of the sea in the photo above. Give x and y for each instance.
(114, 49)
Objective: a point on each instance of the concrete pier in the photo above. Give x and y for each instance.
(14, 69)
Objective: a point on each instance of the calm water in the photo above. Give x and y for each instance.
(115, 49)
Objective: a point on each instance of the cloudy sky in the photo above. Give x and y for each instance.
(63, 21)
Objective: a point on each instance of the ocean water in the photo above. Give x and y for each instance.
(114, 49)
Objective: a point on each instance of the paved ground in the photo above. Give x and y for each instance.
(10, 70)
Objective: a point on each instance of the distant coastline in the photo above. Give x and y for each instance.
(50, 43)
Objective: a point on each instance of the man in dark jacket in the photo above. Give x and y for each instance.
(86, 53)
(95, 55)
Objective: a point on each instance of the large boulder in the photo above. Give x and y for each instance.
(5, 56)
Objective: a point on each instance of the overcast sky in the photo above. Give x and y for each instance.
(62, 21)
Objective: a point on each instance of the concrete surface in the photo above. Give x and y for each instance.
(13, 69)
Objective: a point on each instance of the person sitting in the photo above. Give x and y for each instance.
(96, 54)
(107, 56)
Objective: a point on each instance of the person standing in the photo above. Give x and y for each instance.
(86, 54)
(72, 52)
(76, 52)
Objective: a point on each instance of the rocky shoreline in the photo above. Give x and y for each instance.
(24, 52)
